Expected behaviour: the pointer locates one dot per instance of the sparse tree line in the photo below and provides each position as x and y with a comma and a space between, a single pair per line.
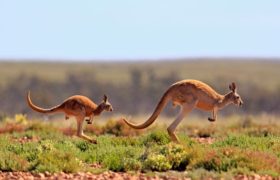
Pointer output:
139, 95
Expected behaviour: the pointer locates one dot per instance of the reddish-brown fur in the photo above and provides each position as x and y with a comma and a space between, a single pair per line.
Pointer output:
190, 94
81, 107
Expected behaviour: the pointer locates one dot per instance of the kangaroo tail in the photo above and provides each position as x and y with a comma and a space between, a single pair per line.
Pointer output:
162, 103
41, 110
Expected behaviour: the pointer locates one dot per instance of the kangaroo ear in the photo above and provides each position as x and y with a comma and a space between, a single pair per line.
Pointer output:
105, 98
232, 87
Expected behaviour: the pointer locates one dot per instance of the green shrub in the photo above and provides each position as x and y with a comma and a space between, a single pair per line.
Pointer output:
166, 157
55, 161
132, 164
21, 119
12, 162
119, 128
83, 145
228, 159
157, 162
46, 145
177, 156
156, 137
114, 162
261, 161
214, 160
117, 158
269, 143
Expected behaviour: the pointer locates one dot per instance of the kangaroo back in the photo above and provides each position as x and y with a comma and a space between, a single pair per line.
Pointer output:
42, 110
162, 103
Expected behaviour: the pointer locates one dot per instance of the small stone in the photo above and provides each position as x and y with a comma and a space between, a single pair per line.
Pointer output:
47, 174
41, 175
256, 176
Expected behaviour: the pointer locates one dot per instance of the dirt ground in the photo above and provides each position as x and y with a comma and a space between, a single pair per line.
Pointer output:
80, 176
105, 176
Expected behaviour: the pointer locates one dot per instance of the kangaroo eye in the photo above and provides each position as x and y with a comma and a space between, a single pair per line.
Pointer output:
237, 97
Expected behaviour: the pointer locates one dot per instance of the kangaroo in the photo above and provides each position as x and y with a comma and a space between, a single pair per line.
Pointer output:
81, 107
190, 94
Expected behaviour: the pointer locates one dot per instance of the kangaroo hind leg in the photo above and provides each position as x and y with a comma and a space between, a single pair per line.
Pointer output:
80, 132
185, 109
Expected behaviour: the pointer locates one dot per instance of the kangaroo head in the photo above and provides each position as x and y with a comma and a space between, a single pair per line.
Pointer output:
106, 105
233, 96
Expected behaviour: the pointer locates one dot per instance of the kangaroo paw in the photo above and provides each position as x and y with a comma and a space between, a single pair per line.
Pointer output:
88, 121
211, 119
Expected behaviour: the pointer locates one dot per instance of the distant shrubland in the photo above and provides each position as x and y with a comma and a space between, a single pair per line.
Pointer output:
135, 88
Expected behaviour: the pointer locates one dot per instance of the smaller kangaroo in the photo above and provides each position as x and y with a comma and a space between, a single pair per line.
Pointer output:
190, 94
81, 107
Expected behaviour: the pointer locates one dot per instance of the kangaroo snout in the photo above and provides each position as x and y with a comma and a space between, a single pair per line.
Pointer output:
241, 103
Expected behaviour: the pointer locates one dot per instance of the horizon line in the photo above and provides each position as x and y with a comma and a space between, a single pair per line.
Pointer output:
214, 58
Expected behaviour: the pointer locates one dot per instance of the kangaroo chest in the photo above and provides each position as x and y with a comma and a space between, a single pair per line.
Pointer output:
205, 106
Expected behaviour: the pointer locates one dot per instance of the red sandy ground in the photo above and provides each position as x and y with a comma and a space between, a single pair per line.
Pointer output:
78, 176
105, 175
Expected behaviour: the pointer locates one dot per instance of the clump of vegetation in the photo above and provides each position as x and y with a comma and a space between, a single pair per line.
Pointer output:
12, 162
21, 119
229, 159
16, 124
178, 156
170, 156
158, 137
119, 128
157, 162
56, 161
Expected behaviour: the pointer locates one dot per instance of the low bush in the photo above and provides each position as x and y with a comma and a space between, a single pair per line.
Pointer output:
12, 162
157, 137
119, 128
157, 162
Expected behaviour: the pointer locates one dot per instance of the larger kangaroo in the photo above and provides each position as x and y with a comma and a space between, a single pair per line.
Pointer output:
81, 107
190, 94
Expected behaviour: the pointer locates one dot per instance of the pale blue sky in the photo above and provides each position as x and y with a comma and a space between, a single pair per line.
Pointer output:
139, 29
